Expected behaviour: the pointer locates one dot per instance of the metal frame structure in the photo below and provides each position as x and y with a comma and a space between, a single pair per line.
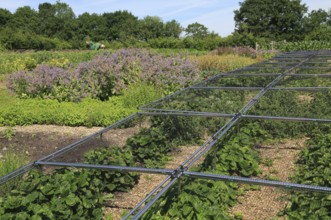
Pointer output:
288, 63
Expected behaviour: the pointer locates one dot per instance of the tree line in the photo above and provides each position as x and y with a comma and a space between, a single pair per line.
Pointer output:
55, 26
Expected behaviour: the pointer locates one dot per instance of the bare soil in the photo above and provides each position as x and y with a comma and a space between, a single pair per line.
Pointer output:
279, 162
37, 141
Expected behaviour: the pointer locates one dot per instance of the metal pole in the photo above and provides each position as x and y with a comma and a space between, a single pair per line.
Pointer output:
262, 182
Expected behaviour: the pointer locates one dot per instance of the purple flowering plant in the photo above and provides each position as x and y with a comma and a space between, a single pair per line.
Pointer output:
105, 76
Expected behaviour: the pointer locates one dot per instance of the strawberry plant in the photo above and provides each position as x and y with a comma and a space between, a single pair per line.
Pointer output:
113, 180
314, 168
64, 194
149, 147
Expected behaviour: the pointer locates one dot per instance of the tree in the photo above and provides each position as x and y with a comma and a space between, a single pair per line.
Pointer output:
47, 22
150, 27
320, 33
91, 25
56, 20
25, 19
275, 20
172, 29
5, 16
66, 24
315, 19
196, 30
121, 25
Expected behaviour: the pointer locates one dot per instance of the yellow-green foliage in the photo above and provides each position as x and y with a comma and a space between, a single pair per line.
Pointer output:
60, 62
10, 161
223, 63
11, 62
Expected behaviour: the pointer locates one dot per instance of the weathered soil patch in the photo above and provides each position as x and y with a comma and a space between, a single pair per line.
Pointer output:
37, 141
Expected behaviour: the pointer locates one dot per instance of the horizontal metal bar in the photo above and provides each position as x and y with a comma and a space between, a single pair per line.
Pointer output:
315, 67
268, 67
246, 74
280, 63
213, 114
225, 75
239, 179
310, 75
260, 88
191, 174
302, 88
107, 167
187, 113
280, 118
227, 88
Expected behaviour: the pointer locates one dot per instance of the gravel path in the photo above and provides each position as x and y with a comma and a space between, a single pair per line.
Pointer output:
279, 162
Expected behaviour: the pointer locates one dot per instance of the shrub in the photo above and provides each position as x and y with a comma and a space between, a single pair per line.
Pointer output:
105, 76
169, 42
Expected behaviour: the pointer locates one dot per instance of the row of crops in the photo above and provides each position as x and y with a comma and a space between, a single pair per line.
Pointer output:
77, 193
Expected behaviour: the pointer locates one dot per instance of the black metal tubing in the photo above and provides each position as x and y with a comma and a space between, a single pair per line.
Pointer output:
224, 75
259, 88
315, 67
160, 112
262, 182
279, 118
213, 114
107, 167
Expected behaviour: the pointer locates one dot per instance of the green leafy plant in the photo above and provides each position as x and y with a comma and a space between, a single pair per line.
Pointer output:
196, 199
149, 147
113, 180
64, 194
314, 168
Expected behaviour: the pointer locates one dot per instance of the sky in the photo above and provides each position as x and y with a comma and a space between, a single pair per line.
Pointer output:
216, 15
